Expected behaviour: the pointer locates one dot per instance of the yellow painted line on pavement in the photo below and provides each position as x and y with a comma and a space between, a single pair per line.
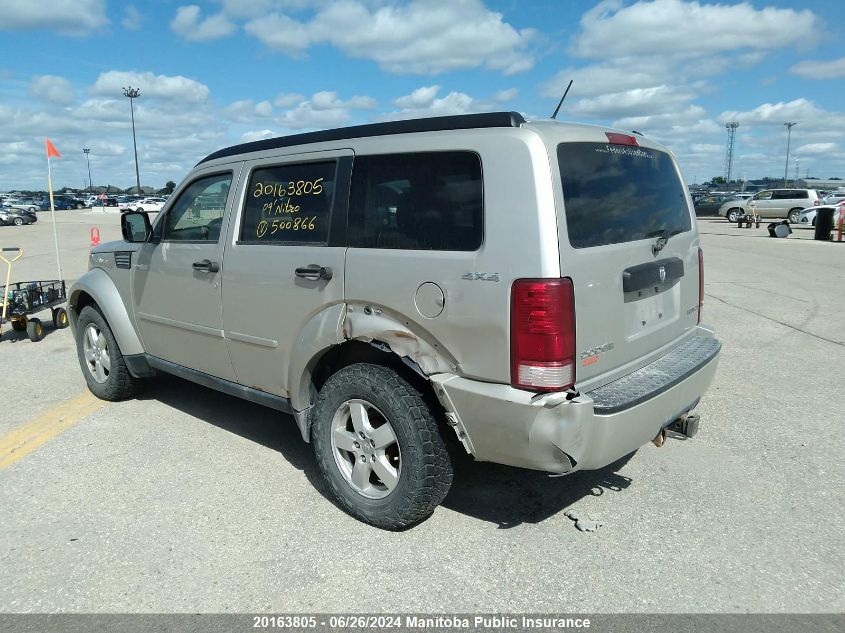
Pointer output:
20, 442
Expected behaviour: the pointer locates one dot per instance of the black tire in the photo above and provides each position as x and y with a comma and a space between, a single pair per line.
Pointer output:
140, 209
118, 383
424, 468
793, 216
34, 330
18, 221
19, 324
60, 320
733, 216
80, 205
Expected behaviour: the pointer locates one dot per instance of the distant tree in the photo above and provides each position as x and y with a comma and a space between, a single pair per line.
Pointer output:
718, 180
169, 186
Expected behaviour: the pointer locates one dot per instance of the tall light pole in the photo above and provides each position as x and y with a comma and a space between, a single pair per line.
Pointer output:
729, 156
132, 94
788, 125
87, 151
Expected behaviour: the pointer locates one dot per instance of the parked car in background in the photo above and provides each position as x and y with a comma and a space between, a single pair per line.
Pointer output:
151, 205
834, 198
807, 217
60, 204
709, 204
772, 203
16, 216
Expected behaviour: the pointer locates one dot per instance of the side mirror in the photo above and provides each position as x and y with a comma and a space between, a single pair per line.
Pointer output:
135, 226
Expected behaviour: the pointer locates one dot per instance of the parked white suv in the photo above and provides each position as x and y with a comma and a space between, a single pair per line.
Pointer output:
402, 286
772, 203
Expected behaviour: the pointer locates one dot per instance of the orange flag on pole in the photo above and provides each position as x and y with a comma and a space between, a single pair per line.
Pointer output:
51, 150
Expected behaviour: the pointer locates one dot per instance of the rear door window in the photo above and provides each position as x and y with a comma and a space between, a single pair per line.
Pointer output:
417, 201
620, 193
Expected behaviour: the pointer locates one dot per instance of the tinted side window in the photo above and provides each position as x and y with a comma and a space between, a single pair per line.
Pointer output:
197, 215
289, 203
763, 195
417, 201
616, 193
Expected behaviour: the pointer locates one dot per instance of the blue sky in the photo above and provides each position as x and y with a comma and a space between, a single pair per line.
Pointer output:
220, 72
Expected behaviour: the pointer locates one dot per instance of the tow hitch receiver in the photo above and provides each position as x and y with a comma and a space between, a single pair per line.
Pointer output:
686, 425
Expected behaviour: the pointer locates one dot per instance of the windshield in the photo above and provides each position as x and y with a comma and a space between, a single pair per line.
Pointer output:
620, 193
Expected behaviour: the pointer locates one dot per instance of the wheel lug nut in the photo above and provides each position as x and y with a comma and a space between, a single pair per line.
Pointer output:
363, 458
373, 443
356, 444
361, 434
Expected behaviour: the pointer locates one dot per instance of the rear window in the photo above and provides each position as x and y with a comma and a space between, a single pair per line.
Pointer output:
620, 193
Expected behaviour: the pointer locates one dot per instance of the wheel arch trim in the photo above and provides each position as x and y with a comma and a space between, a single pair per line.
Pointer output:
101, 289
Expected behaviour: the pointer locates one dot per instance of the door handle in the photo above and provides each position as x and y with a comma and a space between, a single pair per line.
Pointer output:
314, 273
206, 266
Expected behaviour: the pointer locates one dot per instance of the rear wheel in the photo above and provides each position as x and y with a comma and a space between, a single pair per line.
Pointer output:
60, 320
793, 216
733, 216
34, 330
379, 448
102, 363
18, 221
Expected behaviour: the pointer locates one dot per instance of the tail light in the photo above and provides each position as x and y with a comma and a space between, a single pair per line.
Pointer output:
700, 283
543, 334
816, 202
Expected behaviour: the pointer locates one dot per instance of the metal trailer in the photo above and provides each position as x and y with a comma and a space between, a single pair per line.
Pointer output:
25, 298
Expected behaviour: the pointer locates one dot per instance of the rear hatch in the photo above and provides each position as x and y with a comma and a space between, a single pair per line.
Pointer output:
629, 243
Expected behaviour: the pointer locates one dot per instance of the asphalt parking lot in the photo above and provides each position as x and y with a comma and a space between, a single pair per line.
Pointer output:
187, 500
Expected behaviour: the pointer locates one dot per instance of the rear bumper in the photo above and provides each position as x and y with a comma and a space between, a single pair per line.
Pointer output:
547, 432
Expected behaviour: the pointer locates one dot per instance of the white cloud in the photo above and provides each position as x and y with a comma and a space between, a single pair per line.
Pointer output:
423, 102
639, 101
69, 17
420, 37
678, 27
247, 111
256, 135
284, 100
176, 87
280, 33
817, 148
419, 98
505, 95
324, 109
189, 24
132, 18
52, 88
820, 70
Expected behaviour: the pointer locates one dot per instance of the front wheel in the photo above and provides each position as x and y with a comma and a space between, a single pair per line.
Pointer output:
102, 363
34, 330
733, 216
379, 448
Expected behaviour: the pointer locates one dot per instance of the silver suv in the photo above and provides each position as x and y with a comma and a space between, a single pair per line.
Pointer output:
772, 203
411, 291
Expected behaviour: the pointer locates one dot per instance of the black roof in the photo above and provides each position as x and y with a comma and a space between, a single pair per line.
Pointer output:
431, 124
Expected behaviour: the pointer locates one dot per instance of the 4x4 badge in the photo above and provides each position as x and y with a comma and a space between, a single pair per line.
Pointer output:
481, 276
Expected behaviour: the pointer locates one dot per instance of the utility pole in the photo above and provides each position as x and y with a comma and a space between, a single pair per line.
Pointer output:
729, 157
132, 94
788, 125
87, 151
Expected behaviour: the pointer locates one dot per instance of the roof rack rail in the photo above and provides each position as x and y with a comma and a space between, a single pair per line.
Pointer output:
431, 124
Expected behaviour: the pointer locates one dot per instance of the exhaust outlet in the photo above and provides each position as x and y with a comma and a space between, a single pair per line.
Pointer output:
659, 439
